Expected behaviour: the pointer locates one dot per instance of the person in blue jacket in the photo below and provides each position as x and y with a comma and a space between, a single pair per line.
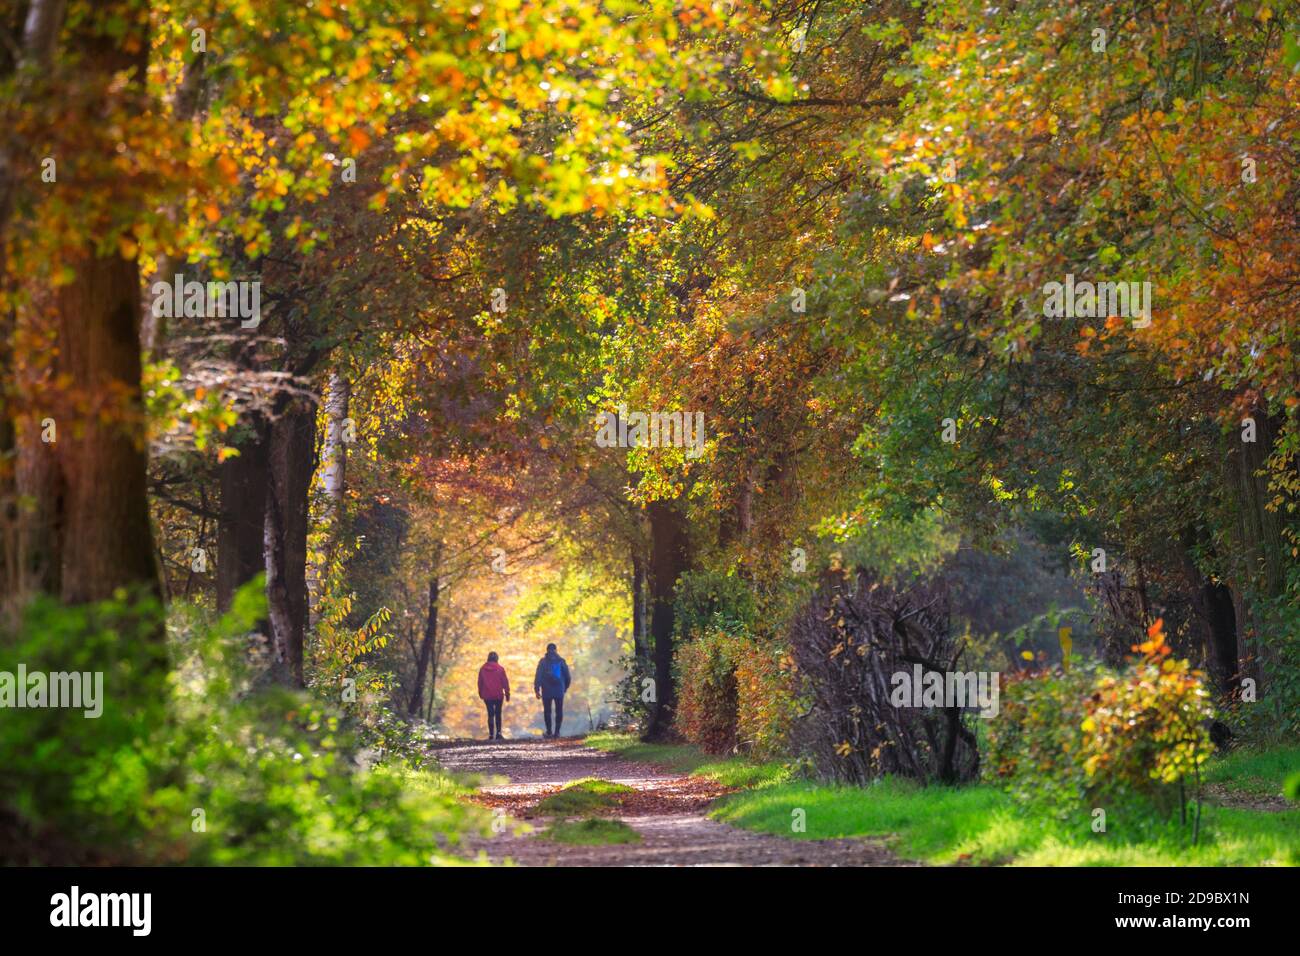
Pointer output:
549, 683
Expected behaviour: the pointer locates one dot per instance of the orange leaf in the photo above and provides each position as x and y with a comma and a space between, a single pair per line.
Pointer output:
358, 138
229, 169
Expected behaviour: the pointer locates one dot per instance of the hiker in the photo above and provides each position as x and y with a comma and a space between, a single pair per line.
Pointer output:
493, 685
549, 683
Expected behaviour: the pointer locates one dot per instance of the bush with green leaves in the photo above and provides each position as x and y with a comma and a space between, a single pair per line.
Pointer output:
197, 758
1034, 741
1094, 737
90, 789
712, 600
633, 703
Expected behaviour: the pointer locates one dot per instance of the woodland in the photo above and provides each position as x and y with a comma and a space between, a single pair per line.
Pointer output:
334, 333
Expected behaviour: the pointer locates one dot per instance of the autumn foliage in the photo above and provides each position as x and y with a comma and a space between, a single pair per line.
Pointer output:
1091, 737
737, 694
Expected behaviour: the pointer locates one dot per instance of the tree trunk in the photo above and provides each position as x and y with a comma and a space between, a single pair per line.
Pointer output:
1214, 616
441, 644
34, 484
108, 537
1222, 651
333, 468
243, 479
433, 672
430, 640
38, 542
639, 650
334, 452
292, 463
11, 557
433, 680
1258, 532
40, 36
668, 560
1257, 535
41, 30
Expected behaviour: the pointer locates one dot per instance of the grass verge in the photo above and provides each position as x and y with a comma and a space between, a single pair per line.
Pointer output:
584, 796
981, 824
1255, 773
594, 832
683, 758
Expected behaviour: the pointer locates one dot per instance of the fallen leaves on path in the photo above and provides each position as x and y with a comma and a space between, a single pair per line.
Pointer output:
666, 809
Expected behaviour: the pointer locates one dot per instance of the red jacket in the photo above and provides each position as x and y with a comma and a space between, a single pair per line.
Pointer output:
492, 682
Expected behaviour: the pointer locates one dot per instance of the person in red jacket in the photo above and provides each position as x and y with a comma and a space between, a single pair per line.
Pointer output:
493, 686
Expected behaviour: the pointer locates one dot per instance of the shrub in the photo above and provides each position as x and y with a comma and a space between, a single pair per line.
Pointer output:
104, 779
632, 704
1092, 736
735, 694
735, 691
196, 759
707, 605
1146, 727
1034, 742
713, 601
847, 646
766, 704
707, 698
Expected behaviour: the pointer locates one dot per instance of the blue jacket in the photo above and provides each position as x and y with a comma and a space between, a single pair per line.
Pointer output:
552, 677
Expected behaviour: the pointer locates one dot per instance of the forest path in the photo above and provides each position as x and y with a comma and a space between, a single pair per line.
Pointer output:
666, 809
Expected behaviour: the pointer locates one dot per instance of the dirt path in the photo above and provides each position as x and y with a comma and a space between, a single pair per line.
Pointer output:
667, 810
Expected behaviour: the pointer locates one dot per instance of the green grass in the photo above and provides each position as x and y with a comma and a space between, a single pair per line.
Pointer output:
591, 832
983, 825
583, 796
1257, 773
682, 758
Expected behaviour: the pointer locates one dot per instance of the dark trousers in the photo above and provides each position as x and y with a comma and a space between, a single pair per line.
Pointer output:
494, 717
558, 703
